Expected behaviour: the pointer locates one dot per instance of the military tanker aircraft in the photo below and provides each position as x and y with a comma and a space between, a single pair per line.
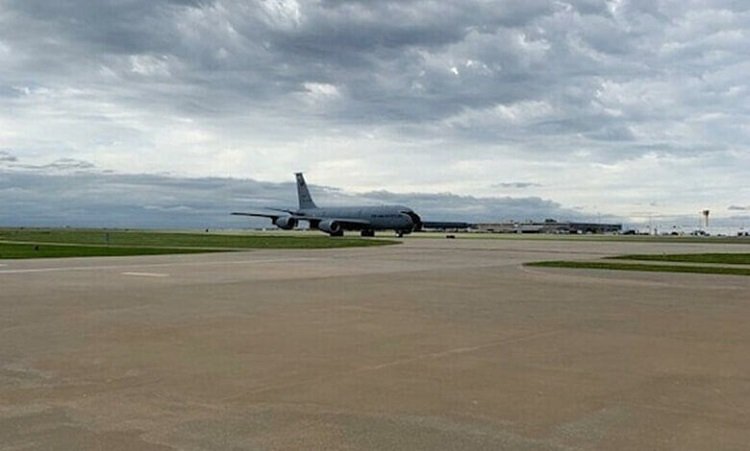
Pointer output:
335, 220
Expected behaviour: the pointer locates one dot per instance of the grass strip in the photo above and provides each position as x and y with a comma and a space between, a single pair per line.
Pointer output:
178, 239
25, 251
594, 238
643, 267
729, 259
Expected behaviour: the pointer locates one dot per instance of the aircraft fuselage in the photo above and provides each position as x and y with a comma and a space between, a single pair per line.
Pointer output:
384, 217
335, 220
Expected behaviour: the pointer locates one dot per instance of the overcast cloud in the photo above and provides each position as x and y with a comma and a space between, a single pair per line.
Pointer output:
510, 108
72, 193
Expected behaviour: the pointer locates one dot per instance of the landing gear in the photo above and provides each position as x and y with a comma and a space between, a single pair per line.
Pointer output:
367, 233
339, 233
400, 233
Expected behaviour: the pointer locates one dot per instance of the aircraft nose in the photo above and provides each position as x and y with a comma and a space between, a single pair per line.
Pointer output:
414, 218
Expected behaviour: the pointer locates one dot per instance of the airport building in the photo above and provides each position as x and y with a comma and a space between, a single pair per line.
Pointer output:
548, 226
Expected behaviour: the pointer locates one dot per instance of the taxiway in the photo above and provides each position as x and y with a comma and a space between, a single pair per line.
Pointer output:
433, 344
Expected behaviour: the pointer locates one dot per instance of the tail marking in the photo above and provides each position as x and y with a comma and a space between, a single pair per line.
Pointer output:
303, 194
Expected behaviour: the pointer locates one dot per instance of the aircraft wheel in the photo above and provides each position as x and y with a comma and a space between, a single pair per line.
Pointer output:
367, 233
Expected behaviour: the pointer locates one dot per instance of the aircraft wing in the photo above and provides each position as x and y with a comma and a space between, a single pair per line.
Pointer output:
258, 215
346, 222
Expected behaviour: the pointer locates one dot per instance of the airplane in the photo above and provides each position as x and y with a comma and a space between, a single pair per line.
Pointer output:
335, 220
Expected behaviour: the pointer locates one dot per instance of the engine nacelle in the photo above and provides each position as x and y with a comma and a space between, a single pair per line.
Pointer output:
285, 222
331, 227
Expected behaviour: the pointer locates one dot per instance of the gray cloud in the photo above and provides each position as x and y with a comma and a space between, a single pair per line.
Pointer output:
7, 157
594, 98
519, 185
64, 164
392, 60
739, 208
37, 197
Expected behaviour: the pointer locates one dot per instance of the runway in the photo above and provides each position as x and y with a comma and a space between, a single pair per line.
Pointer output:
432, 344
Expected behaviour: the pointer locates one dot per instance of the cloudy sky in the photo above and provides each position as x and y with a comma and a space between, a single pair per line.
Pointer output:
153, 112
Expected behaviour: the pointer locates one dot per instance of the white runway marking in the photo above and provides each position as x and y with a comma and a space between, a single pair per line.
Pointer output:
145, 274
152, 265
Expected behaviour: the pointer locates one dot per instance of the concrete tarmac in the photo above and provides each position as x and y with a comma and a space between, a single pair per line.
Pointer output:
433, 344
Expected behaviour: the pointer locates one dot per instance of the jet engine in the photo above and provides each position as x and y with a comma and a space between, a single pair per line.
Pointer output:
285, 222
331, 227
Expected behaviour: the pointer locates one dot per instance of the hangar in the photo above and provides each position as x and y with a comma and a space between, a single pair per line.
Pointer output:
548, 226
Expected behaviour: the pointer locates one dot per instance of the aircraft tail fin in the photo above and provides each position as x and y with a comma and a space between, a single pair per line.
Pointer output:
305, 200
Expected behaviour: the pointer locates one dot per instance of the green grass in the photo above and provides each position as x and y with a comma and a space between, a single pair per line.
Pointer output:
617, 238
23, 251
644, 267
178, 239
94, 242
729, 259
